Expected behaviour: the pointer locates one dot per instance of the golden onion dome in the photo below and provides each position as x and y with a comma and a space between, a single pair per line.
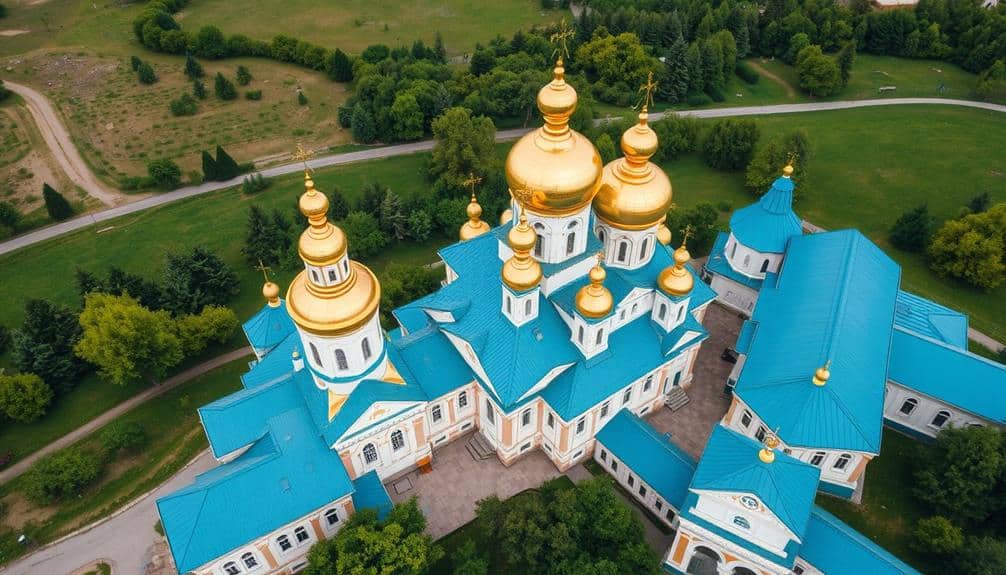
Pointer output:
594, 300
634, 194
322, 243
559, 166
521, 272
767, 453
474, 227
333, 309
822, 374
676, 280
664, 235
506, 217
271, 293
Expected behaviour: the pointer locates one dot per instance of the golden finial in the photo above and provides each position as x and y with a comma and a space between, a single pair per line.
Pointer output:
269, 289
594, 300
647, 89
822, 374
474, 227
471, 182
523, 196
521, 272
767, 453
685, 234
302, 155
676, 280
788, 170
559, 40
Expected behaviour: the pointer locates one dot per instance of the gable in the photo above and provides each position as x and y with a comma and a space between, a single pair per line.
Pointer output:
377, 413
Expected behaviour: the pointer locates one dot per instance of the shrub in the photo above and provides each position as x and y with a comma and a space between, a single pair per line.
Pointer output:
677, 135
64, 473
345, 115
121, 435
5, 339
716, 94
340, 68
698, 100
134, 63
192, 67
243, 76
186, 105
253, 95
302, 100
9, 216
146, 74
164, 174
199, 89
227, 168
913, 230
224, 88
214, 324
746, 73
938, 536
254, 183
364, 233
24, 397
729, 144
55, 204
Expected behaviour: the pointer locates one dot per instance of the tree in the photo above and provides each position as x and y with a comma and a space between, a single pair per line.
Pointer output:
393, 222
9, 216
467, 560
301, 98
401, 284
122, 435
24, 397
371, 198
913, 230
214, 324
55, 204
127, 341
972, 248
209, 168
196, 279
674, 86
605, 147
193, 69
44, 344
991, 83
266, 238
702, 218
184, 105
364, 235
338, 207
465, 144
223, 88
982, 556
227, 168
121, 282
729, 144
164, 174
819, 75
407, 117
980, 203
339, 67
769, 159
4, 92
367, 545
960, 476
796, 44
145, 73
210, 43
937, 536
199, 89
420, 225
243, 76
62, 474
845, 59
613, 59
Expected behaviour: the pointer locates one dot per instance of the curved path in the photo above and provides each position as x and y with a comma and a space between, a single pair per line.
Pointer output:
61, 145
85, 220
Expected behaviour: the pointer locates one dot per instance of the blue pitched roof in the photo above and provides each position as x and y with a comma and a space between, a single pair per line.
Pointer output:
768, 224
267, 328
240, 418
369, 493
433, 362
950, 374
787, 486
831, 546
746, 336
834, 300
928, 318
285, 475
658, 462
717, 263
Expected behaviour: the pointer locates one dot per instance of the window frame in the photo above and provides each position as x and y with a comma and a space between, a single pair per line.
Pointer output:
231, 568
842, 462
400, 437
366, 458
462, 399
436, 413
297, 531
746, 414
284, 543
525, 417
329, 513
249, 555
946, 415
912, 403
341, 362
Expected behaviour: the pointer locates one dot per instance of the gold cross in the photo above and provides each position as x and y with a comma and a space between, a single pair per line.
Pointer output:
559, 39
793, 156
600, 257
646, 100
264, 269
523, 196
686, 233
302, 155
471, 182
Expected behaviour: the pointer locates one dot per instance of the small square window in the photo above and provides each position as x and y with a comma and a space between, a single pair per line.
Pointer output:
632, 481
604, 455
436, 412
642, 491
581, 425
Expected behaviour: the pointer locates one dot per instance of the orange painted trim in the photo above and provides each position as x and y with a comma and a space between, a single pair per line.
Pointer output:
858, 471
507, 432
263, 548
679, 552
316, 524
417, 425
564, 438
730, 411
347, 462
347, 506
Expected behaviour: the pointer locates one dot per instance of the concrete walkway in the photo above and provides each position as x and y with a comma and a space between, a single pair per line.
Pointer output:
84, 430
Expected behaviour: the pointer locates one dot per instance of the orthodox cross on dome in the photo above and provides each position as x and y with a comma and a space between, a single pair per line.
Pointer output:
471, 182
600, 257
302, 155
685, 234
523, 196
558, 39
264, 269
647, 89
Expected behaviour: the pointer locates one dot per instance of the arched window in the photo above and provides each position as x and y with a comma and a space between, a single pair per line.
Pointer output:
315, 354
527, 307
704, 560
284, 543
623, 250
369, 454
539, 245
642, 249
600, 234
941, 419
463, 400
366, 348
681, 311
635, 306
570, 242
742, 522
747, 260
340, 359
301, 534
331, 275
600, 336
579, 334
742, 571
332, 517
764, 266
733, 250
842, 462
249, 560
397, 440
314, 276
908, 406
345, 267
509, 307
662, 312
231, 568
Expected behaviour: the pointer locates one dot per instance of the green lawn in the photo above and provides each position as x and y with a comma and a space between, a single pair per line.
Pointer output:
889, 511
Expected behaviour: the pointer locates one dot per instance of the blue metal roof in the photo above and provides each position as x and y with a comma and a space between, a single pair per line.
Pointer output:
831, 546
285, 475
786, 486
928, 318
950, 374
717, 263
768, 224
267, 328
658, 462
240, 418
434, 363
369, 493
746, 336
834, 300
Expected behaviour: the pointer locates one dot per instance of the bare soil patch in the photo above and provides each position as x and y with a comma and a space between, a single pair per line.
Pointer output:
14, 32
25, 162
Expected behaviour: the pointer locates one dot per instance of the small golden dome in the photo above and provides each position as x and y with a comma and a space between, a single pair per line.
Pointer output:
664, 235
506, 217
767, 453
788, 170
822, 374
474, 227
634, 194
676, 280
322, 243
271, 293
521, 272
559, 166
594, 300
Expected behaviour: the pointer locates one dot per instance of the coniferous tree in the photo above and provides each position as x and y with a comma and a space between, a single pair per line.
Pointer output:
199, 89
195, 280
55, 204
44, 344
338, 207
227, 168
120, 282
210, 172
674, 87
340, 68
439, 49
845, 58
87, 282
193, 69
224, 88
145, 73
266, 240
364, 130
243, 76
913, 230
393, 220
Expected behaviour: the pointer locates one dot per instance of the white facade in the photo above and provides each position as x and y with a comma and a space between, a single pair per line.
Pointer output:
520, 307
749, 263
640, 490
626, 249
559, 237
923, 414
344, 357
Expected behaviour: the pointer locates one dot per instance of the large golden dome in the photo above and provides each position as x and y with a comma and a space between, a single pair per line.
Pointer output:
559, 166
329, 310
634, 194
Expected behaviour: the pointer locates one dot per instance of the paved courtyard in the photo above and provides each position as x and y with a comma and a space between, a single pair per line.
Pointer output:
448, 494
691, 425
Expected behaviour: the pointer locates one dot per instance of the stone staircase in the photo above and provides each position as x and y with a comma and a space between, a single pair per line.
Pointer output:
676, 399
479, 447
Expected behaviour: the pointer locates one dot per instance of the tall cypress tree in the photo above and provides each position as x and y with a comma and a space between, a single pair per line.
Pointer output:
340, 68
210, 171
675, 85
55, 204
192, 67
227, 168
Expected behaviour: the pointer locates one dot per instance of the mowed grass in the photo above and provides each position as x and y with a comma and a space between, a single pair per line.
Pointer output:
352, 25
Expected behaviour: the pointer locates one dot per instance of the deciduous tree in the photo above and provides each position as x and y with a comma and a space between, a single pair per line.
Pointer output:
164, 174
64, 473
465, 144
960, 477
769, 159
364, 235
729, 144
24, 397
972, 248
819, 75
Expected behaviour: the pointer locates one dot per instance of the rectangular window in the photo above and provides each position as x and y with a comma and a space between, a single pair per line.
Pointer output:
626, 396
746, 419
301, 534
642, 491
604, 410
577, 454
670, 514
550, 420
284, 543
659, 505
525, 447
466, 426
842, 462
437, 414
525, 418
632, 481
644, 410
604, 455
581, 425
462, 400
817, 458
798, 570
761, 433
489, 412
648, 383
614, 465
331, 275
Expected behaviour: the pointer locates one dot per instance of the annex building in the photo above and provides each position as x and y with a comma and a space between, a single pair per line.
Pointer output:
554, 332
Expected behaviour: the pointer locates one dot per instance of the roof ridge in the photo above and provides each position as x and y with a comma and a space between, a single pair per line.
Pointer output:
958, 350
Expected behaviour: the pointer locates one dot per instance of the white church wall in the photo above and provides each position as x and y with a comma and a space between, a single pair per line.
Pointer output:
345, 356
690, 539
749, 262
923, 414
734, 295
631, 482
554, 233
